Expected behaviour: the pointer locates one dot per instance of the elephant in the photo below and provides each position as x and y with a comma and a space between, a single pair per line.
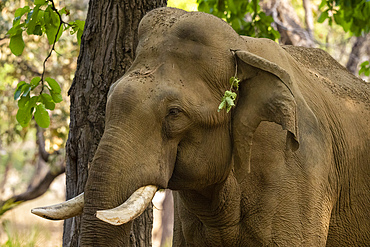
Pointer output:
289, 165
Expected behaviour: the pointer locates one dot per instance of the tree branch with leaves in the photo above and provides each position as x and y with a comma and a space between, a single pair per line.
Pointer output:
43, 18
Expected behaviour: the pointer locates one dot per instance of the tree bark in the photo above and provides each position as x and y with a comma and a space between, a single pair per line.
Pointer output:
288, 23
107, 50
308, 17
354, 56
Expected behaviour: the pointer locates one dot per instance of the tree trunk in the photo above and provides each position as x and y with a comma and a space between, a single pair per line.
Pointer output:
107, 50
354, 57
288, 23
167, 218
308, 17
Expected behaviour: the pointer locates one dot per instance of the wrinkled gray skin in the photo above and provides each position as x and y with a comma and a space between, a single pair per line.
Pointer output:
301, 124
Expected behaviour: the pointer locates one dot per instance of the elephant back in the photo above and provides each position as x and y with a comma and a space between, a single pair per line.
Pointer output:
331, 74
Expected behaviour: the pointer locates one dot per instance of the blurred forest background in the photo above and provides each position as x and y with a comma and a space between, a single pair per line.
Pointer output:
32, 158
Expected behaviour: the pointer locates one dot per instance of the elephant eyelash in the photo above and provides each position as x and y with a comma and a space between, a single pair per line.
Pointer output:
173, 112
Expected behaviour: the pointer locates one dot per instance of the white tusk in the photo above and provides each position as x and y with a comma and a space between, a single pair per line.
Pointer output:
131, 208
62, 211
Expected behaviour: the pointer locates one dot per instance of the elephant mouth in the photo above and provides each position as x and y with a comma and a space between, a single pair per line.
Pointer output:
133, 207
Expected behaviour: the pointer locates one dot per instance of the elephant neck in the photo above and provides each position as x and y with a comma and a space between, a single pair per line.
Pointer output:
215, 211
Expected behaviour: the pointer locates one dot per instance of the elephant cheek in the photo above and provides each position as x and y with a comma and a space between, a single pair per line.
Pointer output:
201, 166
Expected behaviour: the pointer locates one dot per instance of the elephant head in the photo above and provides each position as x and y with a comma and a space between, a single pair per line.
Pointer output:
163, 129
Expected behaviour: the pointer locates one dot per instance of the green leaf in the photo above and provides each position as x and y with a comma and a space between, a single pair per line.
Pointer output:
15, 30
46, 97
57, 97
34, 18
23, 101
37, 30
324, 15
41, 21
234, 83
48, 101
228, 101
322, 4
42, 116
80, 24
365, 68
230, 94
21, 11
29, 15
53, 85
52, 24
33, 101
16, 44
18, 91
79, 35
24, 116
222, 105
35, 81
64, 11
26, 89
20, 84
40, 2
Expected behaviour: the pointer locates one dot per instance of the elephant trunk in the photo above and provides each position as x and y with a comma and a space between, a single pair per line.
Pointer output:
113, 177
123, 179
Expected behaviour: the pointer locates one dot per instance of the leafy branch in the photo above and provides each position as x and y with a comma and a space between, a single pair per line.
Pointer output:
352, 16
365, 68
44, 18
228, 100
245, 17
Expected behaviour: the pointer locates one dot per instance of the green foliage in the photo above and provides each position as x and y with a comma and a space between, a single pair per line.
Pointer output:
38, 104
235, 12
228, 100
43, 18
352, 15
365, 68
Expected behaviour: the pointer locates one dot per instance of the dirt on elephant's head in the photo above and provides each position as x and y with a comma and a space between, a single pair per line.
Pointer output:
329, 72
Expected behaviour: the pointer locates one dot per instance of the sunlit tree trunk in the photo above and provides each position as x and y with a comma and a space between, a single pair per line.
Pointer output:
167, 218
308, 17
107, 51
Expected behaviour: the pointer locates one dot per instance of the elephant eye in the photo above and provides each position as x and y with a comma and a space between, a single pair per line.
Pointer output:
174, 111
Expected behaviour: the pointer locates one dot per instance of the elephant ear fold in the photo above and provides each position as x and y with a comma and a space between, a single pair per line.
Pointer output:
265, 95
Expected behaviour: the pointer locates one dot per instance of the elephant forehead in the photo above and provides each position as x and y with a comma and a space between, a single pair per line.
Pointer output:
196, 26
185, 32
155, 95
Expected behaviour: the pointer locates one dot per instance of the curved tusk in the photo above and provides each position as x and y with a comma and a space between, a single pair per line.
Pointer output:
62, 211
131, 208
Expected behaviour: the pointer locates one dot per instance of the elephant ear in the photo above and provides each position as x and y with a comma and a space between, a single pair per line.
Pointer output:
266, 94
